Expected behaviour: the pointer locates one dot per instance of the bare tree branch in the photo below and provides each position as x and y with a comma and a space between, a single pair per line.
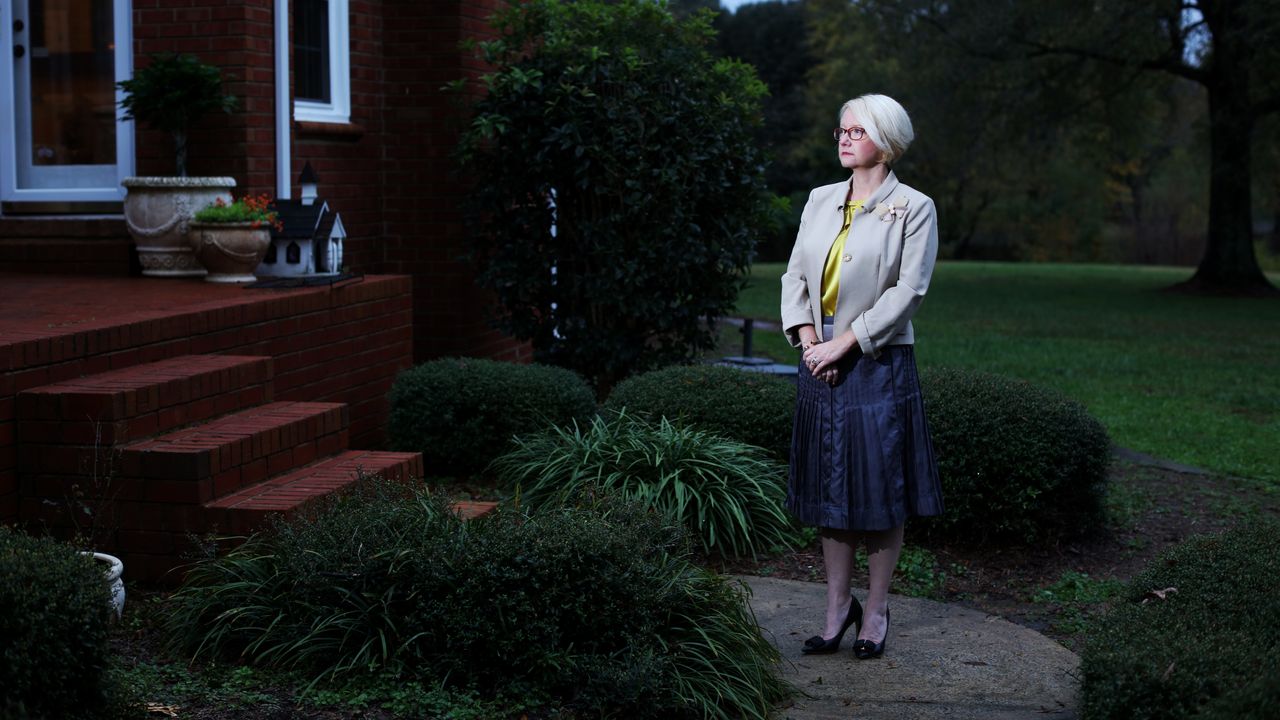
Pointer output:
969, 49
1166, 63
1171, 62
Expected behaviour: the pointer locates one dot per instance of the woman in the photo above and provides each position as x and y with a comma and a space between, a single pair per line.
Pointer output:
861, 459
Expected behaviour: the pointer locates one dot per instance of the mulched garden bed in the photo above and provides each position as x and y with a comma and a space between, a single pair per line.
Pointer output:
1153, 508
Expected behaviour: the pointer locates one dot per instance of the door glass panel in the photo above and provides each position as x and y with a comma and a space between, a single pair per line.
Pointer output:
72, 120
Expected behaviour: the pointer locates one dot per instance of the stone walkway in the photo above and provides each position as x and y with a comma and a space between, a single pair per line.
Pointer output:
942, 661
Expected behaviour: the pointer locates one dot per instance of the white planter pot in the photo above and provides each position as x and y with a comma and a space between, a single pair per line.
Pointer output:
230, 251
112, 570
158, 211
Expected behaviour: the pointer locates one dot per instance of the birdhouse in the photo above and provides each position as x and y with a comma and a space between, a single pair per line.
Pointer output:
309, 240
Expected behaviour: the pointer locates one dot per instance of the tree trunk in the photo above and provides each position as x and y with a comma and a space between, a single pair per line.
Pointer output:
1229, 265
1274, 240
180, 152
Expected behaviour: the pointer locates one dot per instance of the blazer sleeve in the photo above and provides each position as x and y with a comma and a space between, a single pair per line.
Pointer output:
899, 302
796, 310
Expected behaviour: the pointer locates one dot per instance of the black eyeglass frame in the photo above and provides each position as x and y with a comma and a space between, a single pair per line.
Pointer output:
855, 133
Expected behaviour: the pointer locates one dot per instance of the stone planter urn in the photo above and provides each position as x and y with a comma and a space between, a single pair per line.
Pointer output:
230, 251
112, 569
158, 210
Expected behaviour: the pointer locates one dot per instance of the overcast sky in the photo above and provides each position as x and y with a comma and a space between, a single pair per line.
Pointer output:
734, 4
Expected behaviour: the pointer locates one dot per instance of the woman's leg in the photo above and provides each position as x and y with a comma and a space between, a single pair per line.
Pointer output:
882, 557
837, 556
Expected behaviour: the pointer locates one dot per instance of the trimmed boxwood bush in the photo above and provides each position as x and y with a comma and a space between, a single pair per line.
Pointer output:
567, 609
753, 408
53, 629
460, 412
728, 494
1016, 460
1209, 650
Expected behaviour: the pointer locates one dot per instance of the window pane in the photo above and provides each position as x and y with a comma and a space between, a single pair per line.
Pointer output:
73, 97
311, 50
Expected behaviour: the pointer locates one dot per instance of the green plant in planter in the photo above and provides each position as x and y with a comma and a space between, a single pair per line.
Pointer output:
254, 209
171, 93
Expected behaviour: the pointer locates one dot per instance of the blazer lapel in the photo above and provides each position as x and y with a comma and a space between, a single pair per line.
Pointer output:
829, 219
862, 275
882, 193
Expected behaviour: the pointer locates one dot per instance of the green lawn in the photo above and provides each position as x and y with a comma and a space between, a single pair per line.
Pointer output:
1194, 380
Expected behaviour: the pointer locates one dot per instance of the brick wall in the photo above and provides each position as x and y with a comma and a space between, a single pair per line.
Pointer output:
390, 171
79, 246
349, 158
237, 36
344, 344
424, 234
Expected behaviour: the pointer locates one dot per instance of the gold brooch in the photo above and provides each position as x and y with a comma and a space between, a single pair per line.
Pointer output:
889, 211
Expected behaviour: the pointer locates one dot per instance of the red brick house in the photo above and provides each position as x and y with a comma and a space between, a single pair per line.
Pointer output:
351, 86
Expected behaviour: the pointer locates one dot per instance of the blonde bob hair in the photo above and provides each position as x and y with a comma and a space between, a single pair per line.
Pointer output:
885, 121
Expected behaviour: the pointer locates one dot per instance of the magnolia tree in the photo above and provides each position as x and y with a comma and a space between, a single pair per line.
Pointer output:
617, 193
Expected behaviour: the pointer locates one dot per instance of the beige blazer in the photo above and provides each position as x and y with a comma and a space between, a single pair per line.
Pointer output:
888, 259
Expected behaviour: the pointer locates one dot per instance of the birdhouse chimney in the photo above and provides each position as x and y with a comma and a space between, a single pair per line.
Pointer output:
308, 180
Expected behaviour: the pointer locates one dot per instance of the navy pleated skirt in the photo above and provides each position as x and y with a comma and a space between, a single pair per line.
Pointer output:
861, 458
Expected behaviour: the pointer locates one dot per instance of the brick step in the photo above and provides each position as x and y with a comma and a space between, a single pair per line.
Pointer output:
131, 403
468, 509
219, 457
246, 509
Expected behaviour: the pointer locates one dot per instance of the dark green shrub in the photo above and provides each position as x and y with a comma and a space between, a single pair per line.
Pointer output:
753, 408
1209, 649
1016, 460
637, 181
1255, 701
596, 610
728, 494
460, 413
53, 629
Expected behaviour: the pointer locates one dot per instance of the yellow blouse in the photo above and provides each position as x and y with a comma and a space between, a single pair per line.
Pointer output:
831, 271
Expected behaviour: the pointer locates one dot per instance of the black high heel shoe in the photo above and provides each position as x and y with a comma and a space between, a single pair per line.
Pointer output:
865, 649
817, 646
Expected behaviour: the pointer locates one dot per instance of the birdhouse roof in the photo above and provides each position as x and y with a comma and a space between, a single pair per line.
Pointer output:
303, 222
325, 228
308, 176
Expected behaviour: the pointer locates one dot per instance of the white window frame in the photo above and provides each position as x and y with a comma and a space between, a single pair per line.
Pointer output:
122, 17
338, 110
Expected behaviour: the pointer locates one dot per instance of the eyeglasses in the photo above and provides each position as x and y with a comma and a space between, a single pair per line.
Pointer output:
854, 133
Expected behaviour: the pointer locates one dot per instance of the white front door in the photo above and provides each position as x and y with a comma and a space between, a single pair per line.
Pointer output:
61, 136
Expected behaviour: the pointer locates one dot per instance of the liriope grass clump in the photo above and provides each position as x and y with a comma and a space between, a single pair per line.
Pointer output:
593, 608
727, 493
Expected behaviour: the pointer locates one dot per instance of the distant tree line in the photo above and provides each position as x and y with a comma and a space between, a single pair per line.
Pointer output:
1143, 131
